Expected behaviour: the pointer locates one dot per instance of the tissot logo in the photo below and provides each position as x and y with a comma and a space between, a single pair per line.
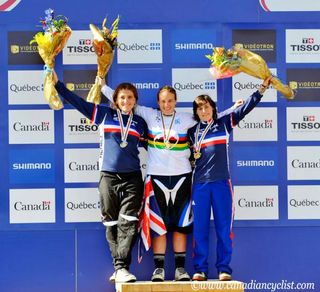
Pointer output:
260, 125
32, 206
303, 202
303, 124
303, 163
256, 202
81, 165
302, 46
31, 126
140, 46
82, 205
83, 126
192, 82
79, 49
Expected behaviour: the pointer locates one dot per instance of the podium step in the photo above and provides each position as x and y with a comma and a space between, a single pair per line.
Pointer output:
170, 286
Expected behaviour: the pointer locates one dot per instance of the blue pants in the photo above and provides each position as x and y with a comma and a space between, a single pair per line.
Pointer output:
218, 196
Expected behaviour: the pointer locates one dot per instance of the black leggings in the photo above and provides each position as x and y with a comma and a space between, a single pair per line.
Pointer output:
121, 198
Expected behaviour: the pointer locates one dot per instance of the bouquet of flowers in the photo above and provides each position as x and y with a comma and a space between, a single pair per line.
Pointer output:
226, 63
104, 42
50, 42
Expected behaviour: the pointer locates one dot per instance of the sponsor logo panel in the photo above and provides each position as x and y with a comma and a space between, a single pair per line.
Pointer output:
243, 85
255, 163
191, 82
79, 49
139, 46
26, 87
261, 42
256, 202
306, 82
304, 202
81, 165
303, 162
20, 52
31, 126
32, 206
261, 124
78, 129
303, 124
32, 166
82, 205
191, 45
303, 45
147, 82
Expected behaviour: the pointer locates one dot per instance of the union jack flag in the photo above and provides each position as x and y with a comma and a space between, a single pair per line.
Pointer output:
150, 221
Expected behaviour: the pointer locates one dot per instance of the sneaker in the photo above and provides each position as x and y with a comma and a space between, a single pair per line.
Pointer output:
181, 275
199, 276
223, 276
124, 276
158, 275
112, 278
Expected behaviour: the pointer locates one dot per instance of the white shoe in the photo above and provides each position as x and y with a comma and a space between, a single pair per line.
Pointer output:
124, 276
112, 278
181, 275
158, 275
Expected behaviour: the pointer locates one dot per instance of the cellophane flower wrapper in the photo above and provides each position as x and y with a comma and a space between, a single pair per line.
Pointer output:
50, 44
228, 63
104, 42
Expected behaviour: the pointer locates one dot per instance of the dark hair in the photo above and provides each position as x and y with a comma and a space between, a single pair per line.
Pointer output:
200, 101
168, 88
124, 86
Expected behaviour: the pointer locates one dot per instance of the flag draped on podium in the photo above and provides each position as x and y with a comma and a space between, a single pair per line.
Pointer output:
150, 221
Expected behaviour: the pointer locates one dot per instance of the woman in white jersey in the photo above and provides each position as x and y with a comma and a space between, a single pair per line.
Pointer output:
170, 171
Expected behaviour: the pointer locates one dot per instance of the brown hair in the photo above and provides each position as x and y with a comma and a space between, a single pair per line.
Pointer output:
200, 101
124, 86
168, 88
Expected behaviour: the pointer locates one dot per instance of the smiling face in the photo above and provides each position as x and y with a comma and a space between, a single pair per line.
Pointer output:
167, 102
125, 100
205, 112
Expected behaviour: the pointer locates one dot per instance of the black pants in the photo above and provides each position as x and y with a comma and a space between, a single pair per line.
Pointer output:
121, 198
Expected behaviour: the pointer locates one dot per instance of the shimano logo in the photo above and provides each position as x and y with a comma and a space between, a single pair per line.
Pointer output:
193, 46
42, 127
43, 206
255, 163
147, 85
27, 166
244, 203
266, 124
297, 163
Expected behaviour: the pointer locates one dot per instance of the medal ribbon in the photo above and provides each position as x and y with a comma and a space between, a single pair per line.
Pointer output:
198, 142
167, 137
124, 130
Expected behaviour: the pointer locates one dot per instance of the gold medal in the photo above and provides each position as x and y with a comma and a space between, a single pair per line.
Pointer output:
166, 134
196, 155
167, 145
